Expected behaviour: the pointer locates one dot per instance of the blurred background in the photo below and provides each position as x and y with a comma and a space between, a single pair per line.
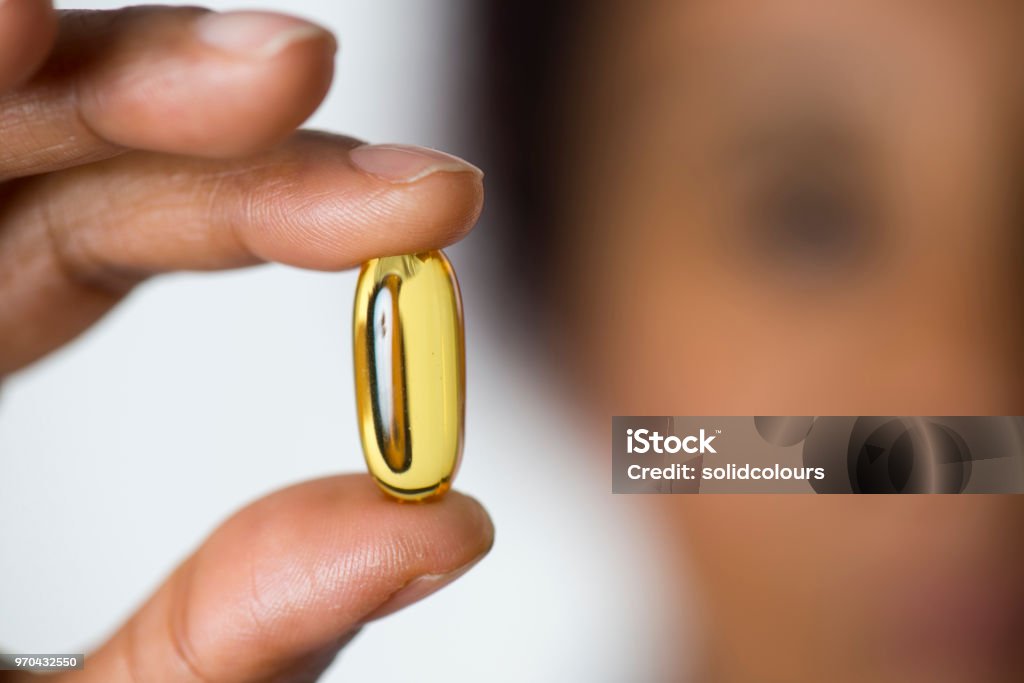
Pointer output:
728, 207
119, 453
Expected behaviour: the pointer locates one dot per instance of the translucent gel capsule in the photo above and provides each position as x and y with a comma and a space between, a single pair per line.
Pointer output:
410, 372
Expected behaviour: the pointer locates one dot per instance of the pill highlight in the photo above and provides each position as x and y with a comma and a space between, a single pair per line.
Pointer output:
410, 370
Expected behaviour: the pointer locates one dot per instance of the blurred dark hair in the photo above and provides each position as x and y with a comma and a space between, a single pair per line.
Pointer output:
526, 49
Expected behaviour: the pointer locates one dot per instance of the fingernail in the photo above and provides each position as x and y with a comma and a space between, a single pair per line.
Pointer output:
417, 589
254, 34
406, 163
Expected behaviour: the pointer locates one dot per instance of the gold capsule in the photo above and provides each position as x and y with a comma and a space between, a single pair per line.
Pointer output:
410, 370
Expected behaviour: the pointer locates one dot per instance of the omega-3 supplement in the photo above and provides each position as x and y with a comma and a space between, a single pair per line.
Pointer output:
410, 370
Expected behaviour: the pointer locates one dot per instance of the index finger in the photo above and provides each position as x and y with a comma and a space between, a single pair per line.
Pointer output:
73, 243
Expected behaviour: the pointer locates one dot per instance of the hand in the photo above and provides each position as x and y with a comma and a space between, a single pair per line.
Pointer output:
147, 140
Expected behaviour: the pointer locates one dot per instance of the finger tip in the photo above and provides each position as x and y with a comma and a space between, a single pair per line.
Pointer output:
456, 524
434, 212
467, 205
453, 527
28, 29
356, 215
440, 535
287, 60
478, 526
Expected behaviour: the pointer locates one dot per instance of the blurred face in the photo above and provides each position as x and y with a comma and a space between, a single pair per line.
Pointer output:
804, 207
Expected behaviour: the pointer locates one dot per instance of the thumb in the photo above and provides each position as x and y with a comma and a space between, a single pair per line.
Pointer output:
277, 590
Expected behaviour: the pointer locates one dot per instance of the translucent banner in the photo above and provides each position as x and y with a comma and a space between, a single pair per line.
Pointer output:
674, 454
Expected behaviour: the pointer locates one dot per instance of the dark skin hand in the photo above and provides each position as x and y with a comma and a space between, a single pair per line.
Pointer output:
149, 140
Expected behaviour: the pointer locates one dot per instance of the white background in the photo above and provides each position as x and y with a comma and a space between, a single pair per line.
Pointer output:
121, 452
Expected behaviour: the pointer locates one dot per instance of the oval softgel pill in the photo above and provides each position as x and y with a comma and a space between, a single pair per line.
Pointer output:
410, 369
